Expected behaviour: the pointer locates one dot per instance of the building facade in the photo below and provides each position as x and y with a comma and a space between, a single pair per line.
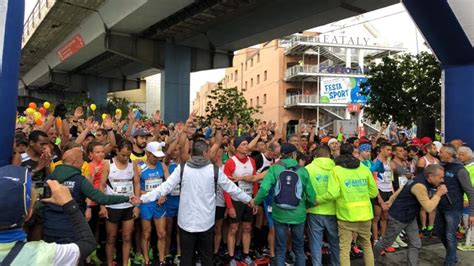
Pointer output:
307, 76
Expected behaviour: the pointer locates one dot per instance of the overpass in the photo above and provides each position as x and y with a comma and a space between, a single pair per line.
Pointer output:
73, 47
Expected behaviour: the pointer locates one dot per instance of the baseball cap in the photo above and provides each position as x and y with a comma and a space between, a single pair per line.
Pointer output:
15, 197
156, 148
438, 145
140, 132
332, 141
287, 148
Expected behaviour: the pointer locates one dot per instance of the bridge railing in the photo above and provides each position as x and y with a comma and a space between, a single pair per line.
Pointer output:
38, 13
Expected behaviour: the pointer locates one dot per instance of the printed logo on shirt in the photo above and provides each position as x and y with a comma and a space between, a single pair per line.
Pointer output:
322, 178
355, 183
449, 174
69, 184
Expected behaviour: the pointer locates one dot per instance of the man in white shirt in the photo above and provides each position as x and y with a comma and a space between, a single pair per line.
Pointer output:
197, 204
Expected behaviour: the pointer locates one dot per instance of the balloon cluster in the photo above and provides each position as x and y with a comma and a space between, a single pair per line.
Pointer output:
36, 113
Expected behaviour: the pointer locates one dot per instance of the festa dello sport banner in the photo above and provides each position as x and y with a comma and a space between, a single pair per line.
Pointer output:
11, 30
342, 90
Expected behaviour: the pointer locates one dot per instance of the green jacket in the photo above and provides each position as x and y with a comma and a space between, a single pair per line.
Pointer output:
64, 172
319, 171
352, 187
470, 169
285, 216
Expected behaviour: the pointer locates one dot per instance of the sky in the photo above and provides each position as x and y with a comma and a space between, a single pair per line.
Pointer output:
392, 23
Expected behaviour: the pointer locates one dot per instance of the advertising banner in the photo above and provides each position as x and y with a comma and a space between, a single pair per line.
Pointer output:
342, 90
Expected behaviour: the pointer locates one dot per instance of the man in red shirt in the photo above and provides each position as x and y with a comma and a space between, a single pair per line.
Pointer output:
238, 168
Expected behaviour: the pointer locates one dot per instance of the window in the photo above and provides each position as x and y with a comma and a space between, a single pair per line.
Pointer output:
246, 85
265, 75
251, 82
258, 57
258, 101
236, 75
258, 79
231, 76
265, 99
245, 65
251, 102
251, 62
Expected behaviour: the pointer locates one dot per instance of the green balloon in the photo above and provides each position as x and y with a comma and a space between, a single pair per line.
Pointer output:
324, 99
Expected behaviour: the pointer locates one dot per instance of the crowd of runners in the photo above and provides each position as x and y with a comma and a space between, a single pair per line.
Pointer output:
231, 194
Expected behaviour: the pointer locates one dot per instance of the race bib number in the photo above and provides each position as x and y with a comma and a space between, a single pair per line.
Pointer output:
152, 183
402, 180
246, 187
123, 187
176, 191
387, 176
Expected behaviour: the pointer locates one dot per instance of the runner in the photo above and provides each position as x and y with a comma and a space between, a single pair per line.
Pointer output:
151, 176
238, 167
383, 175
120, 178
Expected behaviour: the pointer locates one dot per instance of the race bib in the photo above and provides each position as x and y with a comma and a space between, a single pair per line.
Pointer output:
176, 191
387, 176
123, 187
246, 187
152, 183
402, 180
269, 208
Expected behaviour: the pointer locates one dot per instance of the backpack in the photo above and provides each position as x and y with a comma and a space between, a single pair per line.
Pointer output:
216, 175
288, 188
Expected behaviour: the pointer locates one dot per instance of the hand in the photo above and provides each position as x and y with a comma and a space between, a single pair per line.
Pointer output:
78, 112
131, 115
251, 203
157, 115
136, 213
60, 194
89, 123
134, 200
231, 212
236, 178
103, 213
118, 116
161, 201
108, 122
254, 210
386, 205
88, 214
441, 190
44, 161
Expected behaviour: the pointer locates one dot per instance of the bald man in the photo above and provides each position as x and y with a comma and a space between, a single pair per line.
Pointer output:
457, 143
57, 227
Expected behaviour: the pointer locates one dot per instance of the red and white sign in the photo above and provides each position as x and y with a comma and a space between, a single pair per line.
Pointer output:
353, 108
71, 47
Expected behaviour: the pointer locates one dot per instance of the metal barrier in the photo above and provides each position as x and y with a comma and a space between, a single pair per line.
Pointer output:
297, 99
38, 13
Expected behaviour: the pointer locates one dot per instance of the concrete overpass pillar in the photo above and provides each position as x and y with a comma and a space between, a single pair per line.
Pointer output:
175, 84
11, 29
98, 88
440, 25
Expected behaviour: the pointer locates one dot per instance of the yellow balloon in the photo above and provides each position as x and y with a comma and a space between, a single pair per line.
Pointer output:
104, 116
118, 110
30, 111
37, 115
46, 105
18, 121
93, 107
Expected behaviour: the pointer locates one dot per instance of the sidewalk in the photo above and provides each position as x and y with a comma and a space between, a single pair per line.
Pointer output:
432, 253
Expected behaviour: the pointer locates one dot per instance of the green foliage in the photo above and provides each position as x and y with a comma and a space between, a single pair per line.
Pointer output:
403, 89
229, 103
109, 108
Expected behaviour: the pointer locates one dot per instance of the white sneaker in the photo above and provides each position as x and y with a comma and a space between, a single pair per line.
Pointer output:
395, 245
400, 242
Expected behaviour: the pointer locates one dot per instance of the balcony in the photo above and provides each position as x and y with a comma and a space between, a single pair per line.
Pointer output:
311, 72
308, 101
39, 12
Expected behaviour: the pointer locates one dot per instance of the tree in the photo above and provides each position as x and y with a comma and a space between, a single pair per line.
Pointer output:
229, 103
405, 89
109, 108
